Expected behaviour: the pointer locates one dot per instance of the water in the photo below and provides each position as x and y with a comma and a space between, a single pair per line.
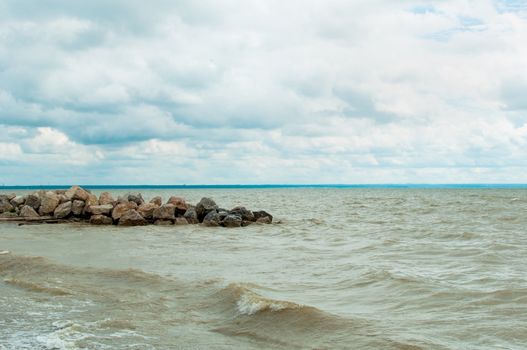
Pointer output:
350, 268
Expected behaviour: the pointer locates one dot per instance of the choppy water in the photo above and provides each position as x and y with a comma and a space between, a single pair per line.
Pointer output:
345, 269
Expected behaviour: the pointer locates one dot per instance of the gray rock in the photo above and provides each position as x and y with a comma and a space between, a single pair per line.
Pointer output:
100, 220
105, 209
5, 206
245, 214
165, 212
192, 216
77, 207
8, 214
132, 218
33, 201
246, 223
18, 201
205, 206
262, 214
48, 203
157, 200
212, 219
137, 198
232, 220
63, 210
28, 212
264, 220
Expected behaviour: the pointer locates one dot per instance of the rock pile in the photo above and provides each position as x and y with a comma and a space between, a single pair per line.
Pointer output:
78, 204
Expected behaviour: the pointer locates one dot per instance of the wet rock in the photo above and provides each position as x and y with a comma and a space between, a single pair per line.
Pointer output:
76, 192
106, 198
63, 210
232, 220
263, 214
163, 222
246, 223
77, 207
18, 201
192, 216
100, 220
212, 219
48, 203
132, 218
165, 212
137, 198
205, 206
33, 200
244, 213
105, 209
180, 221
5, 206
157, 200
264, 220
122, 208
28, 212
179, 203
147, 210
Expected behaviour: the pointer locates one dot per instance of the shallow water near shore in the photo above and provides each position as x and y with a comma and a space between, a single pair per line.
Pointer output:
341, 269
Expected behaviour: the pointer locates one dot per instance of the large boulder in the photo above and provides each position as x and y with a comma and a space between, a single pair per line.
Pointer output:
33, 200
132, 218
122, 208
105, 209
205, 206
48, 203
179, 203
165, 212
232, 220
181, 221
63, 210
76, 192
147, 210
262, 214
244, 213
5, 206
106, 198
137, 198
28, 212
157, 200
192, 216
212, 219
100, 220
18, 201
77, 207
62, 198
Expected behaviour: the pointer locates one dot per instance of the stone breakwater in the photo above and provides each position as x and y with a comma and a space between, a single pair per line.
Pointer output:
80, 205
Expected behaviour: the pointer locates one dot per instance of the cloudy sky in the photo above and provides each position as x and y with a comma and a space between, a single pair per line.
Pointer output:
275, 91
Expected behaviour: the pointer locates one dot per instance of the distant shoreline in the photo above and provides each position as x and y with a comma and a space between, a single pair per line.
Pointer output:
276, 186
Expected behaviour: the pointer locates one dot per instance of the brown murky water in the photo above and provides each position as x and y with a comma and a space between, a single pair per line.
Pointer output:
345, 269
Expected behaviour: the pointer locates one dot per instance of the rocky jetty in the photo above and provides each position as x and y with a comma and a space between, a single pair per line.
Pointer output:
80, 205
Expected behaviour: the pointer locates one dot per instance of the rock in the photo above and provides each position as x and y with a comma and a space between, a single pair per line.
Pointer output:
77, 207
212, 219
33, 201
100, 220
157, 200
192, 216
62, 198
262, 214
100, 209
122, 208
232, 220
205, 206
132, 218
165, 212
180, 221
5, 206
28, 212
179, 203
147, 210
137, 198
17, 201
76, 192
8, 214
48, 203
223, 213
63, 210
92, 200
106, 198
59, 192
163, 222
244, 213
10, 196
246, 223
264, 220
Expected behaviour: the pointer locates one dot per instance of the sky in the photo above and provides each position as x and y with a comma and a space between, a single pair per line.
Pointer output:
263, 92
